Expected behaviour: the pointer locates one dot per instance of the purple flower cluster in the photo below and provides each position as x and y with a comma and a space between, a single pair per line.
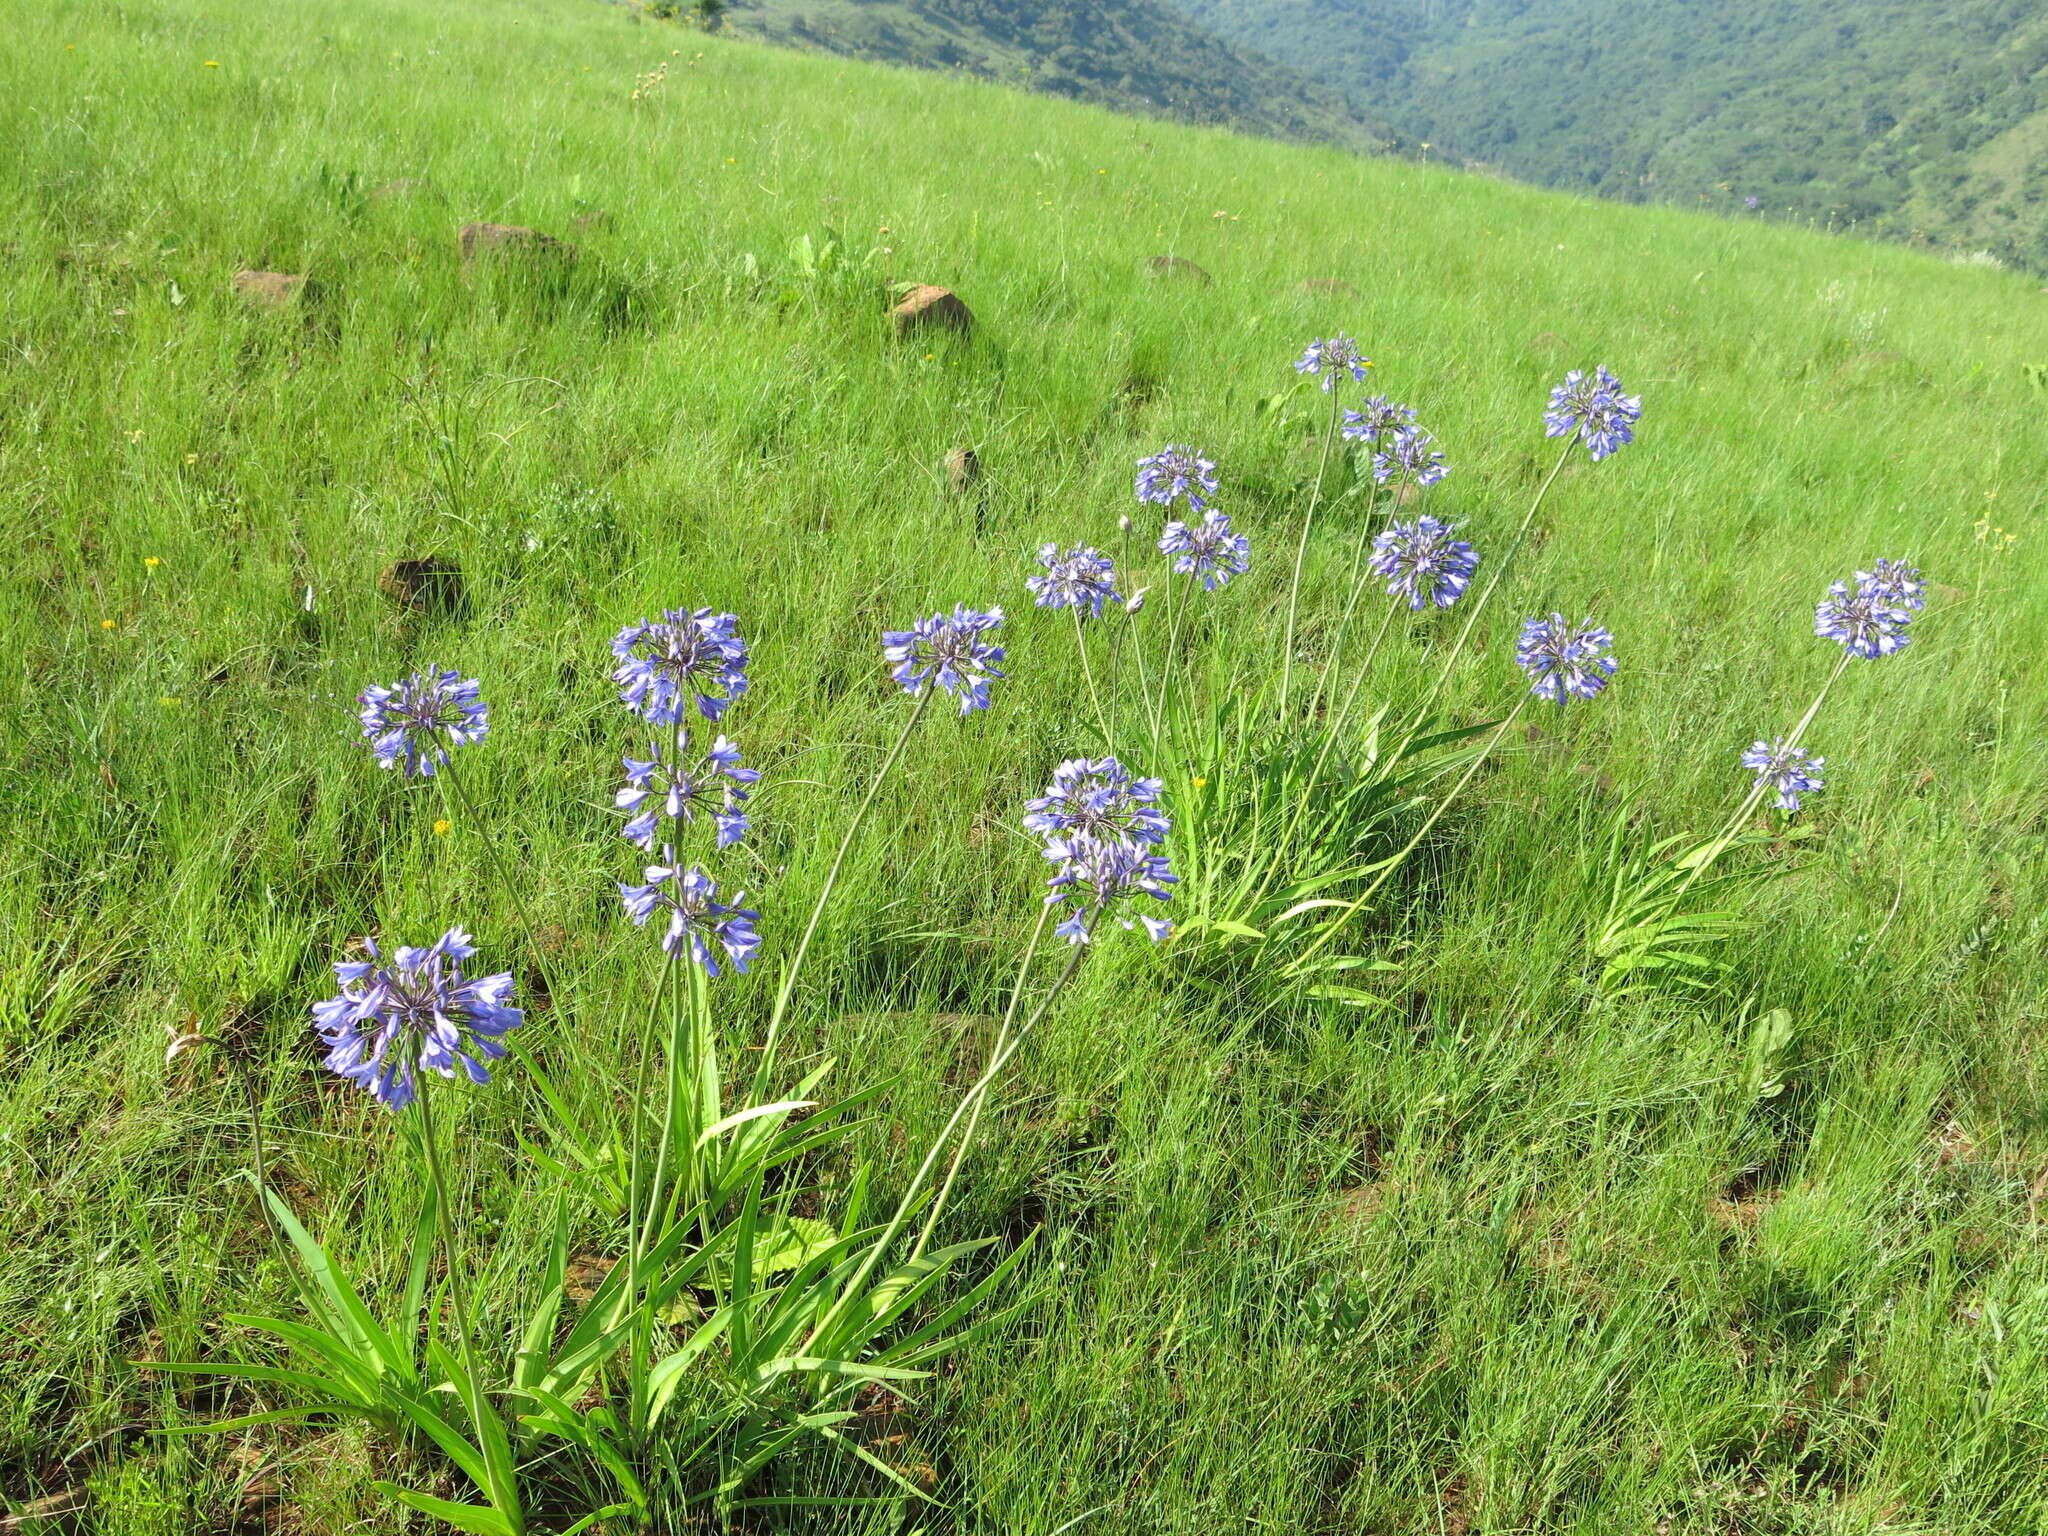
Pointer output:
948, 649
689, 897
682, 658
1562, 661
1176, 473
1786, 770
1411, 453
1332, 357
1102, 828
1098, 798
1381, 417
1425, 562
1078, 578
1869, 620
1208, 549
417, 1013
1594, 411
715, 786
411, 724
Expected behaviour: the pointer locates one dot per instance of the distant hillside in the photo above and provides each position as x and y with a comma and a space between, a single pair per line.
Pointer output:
1918, 119
1134, 55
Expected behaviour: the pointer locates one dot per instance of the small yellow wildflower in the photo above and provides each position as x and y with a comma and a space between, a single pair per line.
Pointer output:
191, 458
135, 436
106, 624
213, 63
441, 827
170, 701
151, 561
1201, 783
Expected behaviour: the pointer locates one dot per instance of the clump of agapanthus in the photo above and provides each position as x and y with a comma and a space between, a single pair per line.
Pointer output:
1784, 769
1330, 358
1562, 661
715, 786
1079, 578
947, 649
1897, 582
1099, 798
1867, 620
1176, 473
1424, 562
1097, 878
1208, 549
683, 658
1412, 453
1378, 418
1594, 411
411, 725
417, 1013
689, 897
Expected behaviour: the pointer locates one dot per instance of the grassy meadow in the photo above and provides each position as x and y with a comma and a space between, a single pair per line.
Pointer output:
1492, 1253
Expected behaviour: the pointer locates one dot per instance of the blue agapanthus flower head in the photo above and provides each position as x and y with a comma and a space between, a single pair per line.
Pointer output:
684, 658
1425, 562
1099, 798
715, 786
1177, 473
1785, 770
1097, 878
1595, 410
1866, 620
1752, 202
1208, 549
1080, 578
1897, 582
1411, 453
1330, 358
1562, 661
411, 725
695, 915
1378, 418
950, 650
417, 1012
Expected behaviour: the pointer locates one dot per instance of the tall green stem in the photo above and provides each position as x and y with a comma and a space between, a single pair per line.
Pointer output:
453, 780
1088, 672
1315, 500
1357, 588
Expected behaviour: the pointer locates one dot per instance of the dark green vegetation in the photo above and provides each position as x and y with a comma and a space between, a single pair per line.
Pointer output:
1495, 1256
1913, 119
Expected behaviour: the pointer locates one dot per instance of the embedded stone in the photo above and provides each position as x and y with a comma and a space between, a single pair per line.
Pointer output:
1177, 266
510, 239
930, 307
430, 585
269, 290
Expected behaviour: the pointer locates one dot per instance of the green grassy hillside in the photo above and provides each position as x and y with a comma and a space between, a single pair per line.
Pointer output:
1492, 1252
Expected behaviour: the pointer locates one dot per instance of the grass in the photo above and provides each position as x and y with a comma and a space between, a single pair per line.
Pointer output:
1494, 1257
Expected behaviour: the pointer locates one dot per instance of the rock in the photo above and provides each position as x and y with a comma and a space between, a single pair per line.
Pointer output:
1177, 266
1330, 285
270, 290
927, 306
963, 470
596, 219
482, 239
431, 585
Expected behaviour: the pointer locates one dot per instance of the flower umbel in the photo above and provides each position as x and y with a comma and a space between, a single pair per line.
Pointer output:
1593, 410
1786, 770
1176, 473
689, 898
1379, 418
716, 786
1424, 562
1096, 875
417, 1013
412, 724
1866, 622
1080, 578
1098, 798
1562, 661
1413, 453
1897, 582
1208, 550
948, 650
685, 657
1330, 357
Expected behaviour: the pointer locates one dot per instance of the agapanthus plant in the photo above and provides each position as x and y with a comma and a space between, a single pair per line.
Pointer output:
684, 658
1329, 358
412, 724
1424, 562
1867, 620
1411, 453
1379, 418
950, 650
1593, 411
1897, 582
1208, 549
418, 1012
1782, 769
1176, 473
1080, 578
1099, 877
1099, 798
714, 787
1562, 661
689, 897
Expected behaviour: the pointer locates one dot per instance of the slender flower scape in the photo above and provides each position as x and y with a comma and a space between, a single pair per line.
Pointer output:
418, 1013
1175, 473
1562, 661
1895, 581
1098, 798
682, 658
1380, 418
1785, 769
656, 788
1870, 621
1208, 550
1328, 358
948, 650
411, 724
1424, 562
1413, 453
1593, 410
1096, 874
1080, 578
693, 913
